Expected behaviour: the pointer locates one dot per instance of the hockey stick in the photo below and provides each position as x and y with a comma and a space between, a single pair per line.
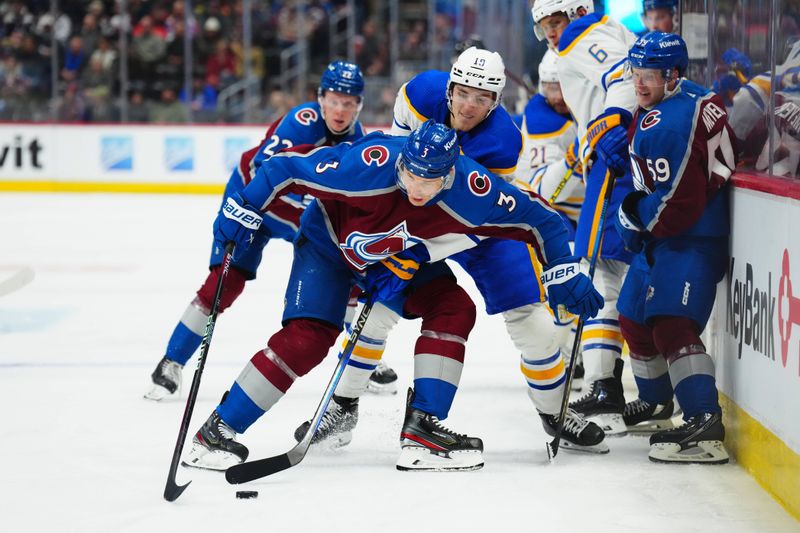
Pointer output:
244, 472
563, 182
172, 491
16, 281
552, 446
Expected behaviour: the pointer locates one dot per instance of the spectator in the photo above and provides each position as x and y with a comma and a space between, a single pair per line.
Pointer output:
96, 83
35, 66
105, 54
71, 106
13, 88
147, 49
222, 64
138, 110
74, 59
90, 33
169, 109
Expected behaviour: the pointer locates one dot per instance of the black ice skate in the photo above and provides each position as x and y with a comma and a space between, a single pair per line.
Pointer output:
336, 426
697, 441
214, 446
604, 403
383, 380
642, 417
578, 435
166, 380
426, 445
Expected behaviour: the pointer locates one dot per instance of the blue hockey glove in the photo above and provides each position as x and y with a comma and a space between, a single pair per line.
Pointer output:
237, 221
608, 136
566, 285
628, 224
389, 278
739, 63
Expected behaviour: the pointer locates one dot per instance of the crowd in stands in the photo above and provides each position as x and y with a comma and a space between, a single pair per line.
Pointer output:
67, 67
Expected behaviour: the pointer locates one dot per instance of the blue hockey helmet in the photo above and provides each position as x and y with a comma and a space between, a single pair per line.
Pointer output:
659, 50
342, 77
429, 152
672, 5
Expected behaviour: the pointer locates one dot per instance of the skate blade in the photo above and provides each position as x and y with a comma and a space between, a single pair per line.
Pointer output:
334, 442
203, 458
382, 388
710, 452
158, 393
600, 448
612, 424
419, 459
643, 429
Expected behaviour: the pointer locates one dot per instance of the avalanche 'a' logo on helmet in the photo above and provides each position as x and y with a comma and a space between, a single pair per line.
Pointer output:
375, 154
479, 184
363, 249
306, 116
650, 119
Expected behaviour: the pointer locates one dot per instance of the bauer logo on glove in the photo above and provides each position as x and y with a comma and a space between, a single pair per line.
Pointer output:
245, 217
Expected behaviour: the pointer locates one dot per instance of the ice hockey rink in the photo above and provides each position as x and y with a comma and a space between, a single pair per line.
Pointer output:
86, 453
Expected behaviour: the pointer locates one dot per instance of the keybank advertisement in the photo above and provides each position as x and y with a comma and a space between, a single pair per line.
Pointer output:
757, 317
123, 154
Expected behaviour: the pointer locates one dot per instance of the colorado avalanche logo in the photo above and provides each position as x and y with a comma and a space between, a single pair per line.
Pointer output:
650, 119
306, 116
375, 154
479, 184
362, 249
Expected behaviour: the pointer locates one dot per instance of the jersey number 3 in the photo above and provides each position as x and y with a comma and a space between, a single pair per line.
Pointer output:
507, 201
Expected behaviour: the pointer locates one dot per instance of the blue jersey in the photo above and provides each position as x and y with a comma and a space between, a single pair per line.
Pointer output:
682, 155
361, 215
495, 143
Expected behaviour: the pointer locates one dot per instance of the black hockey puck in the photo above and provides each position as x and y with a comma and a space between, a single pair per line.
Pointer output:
246, 494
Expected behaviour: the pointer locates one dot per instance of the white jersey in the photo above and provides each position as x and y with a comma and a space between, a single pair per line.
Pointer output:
592, 53
542, 166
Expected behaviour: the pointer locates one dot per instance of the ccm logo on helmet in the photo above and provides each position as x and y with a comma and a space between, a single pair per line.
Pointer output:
479, 184
306, 116
375, 154
650, 119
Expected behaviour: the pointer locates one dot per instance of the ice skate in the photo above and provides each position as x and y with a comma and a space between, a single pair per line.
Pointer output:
577, 377
697, 441
642, 417
604, 403
426, 445
336, 427
578, 435
166, 380
383, 380
214, 446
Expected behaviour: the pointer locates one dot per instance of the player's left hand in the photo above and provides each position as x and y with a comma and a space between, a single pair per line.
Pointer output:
566, 285
389, 278
628, 224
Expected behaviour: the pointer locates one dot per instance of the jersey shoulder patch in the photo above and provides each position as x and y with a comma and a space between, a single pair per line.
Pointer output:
426, 90
541, 119
576, 29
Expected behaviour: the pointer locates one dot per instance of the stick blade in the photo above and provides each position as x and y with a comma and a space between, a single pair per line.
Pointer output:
173, 491
245, 472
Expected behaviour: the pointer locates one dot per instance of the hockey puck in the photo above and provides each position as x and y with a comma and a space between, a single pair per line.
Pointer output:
246, 494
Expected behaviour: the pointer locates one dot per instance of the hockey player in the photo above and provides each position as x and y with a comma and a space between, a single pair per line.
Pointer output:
660, 15
376, 198
330, 120
505, 272
548, 165
592, 53
682, 153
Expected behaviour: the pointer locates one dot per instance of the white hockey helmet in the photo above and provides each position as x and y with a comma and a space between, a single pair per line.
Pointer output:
545, 8
481, 69
548, 68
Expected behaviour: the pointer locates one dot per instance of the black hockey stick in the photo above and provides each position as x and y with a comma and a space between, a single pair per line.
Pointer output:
242, 473
552, 446
172, 491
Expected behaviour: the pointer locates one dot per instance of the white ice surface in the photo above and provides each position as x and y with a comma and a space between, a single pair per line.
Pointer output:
84, 452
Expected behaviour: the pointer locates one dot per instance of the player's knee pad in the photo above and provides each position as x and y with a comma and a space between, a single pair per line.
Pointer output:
639, 338
676, 335
444, 306
302, 344
380, 323
531, 329
231, 289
